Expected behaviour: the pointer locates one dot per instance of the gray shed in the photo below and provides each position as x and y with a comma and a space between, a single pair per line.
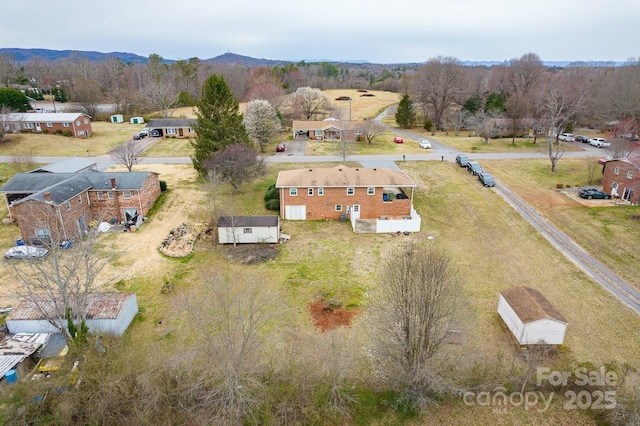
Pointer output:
248, 229
109, 313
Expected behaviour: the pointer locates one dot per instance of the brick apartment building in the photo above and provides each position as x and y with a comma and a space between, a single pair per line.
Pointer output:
623, 174
61, 206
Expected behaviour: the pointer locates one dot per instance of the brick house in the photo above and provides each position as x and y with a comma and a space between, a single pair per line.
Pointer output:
173, 127
623, 175
78, 124
328, 130
61, 206
358, 193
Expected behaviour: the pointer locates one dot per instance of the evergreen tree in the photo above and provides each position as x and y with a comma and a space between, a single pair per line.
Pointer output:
219, 122
405, 116
14, 99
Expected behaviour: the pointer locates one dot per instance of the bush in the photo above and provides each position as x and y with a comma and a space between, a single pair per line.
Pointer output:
272, 205
59, 132
67, 133
559, 185
163, 185
272, 198
428, 125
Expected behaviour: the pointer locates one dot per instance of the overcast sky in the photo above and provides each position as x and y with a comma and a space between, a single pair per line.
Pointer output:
391, 31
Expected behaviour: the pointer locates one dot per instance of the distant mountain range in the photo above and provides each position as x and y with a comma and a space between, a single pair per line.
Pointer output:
24, 55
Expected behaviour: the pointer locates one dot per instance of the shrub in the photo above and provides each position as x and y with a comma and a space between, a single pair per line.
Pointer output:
559, 185
428, 125
59, 132
67, 133
272, 198
163, 185
272, 205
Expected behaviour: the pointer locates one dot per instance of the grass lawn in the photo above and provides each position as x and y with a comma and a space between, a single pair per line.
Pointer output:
106, 136
170, 147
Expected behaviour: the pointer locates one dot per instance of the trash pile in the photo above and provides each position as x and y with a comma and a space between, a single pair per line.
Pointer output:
180, 241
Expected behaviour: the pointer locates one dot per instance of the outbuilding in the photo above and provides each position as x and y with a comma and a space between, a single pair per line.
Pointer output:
117, 118
109, 313
136, 120
248, 229
530, 317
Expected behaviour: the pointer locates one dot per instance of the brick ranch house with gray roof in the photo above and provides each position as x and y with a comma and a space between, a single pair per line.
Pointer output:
173, 127
375, 200
60, 206
78, 124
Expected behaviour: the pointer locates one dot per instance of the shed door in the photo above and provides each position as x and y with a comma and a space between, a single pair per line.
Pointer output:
296, 212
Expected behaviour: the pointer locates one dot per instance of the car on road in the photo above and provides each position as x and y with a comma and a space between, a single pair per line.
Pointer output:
599, 142
26, 252
424, 144
474, 167
591, 193
398, 139
582, 138
462, 160
567, 137
486, 179
281, 147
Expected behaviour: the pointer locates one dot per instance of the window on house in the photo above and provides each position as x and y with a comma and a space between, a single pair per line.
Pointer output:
293, 191
351, 191
338, 207
126, 195
77, 122
310, 192
79, 199
320, 191
67, 205
171, 131
191, 130
247, 230
28, 125
630, 174
110, 195
318, 134
371, 190
86, 121
43, 233
616, 171
65, 124
49, 124
358, 132
100, 195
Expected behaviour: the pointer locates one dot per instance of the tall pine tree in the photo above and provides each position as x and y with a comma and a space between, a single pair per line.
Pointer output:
219, 122
405, 115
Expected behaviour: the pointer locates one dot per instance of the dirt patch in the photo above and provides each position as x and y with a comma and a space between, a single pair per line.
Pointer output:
251, 253
328, 318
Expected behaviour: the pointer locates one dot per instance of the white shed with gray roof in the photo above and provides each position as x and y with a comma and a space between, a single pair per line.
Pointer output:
248, 229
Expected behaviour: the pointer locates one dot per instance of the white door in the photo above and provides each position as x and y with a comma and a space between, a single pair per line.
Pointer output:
38, 128
295, 212
355, 211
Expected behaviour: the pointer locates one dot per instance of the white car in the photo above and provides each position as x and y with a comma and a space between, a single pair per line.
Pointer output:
425, 144
599, 142
567, 137
26, 252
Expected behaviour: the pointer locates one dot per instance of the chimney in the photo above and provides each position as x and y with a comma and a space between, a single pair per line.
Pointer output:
47, 196
113, 183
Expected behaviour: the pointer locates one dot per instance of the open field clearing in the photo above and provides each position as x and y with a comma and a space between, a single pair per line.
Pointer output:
106, 136
611, 233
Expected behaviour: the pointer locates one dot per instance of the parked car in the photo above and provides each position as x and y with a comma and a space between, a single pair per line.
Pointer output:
474, 167
425, 144
591, 193
281, 147
582, 138
567, 137
398, 139
144, 133
487, 179
599, 142
462, 160
156, 133
26, 252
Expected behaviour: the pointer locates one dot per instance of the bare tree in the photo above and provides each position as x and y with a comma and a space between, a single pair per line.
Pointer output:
236, 164
345, 147
592, 167
88, 95
7, 117
563, 96
127, 153
439, 83
621, 147
371, 130
223, 365
517, 112
58, 287
262, 122
309, 102
485, 126
413, 312
459, 118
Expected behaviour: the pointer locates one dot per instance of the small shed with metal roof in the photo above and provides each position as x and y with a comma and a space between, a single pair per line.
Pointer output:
530, 317
109, 313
